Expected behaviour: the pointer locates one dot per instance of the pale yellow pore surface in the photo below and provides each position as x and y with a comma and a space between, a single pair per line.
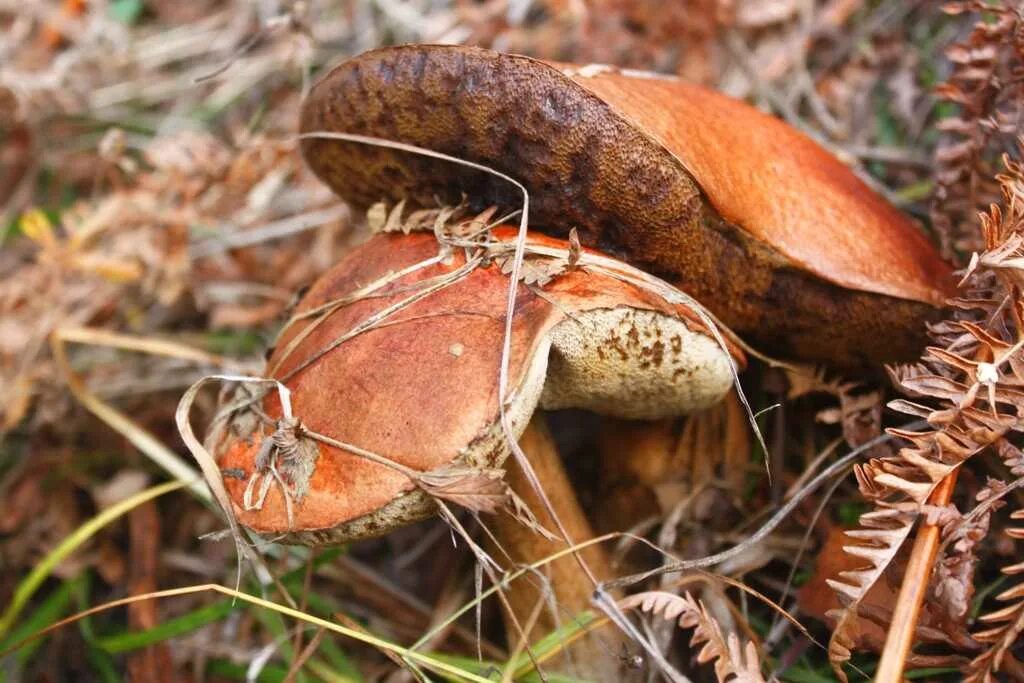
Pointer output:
634, 364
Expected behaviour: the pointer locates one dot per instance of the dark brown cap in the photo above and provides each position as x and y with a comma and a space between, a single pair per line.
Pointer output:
751, 217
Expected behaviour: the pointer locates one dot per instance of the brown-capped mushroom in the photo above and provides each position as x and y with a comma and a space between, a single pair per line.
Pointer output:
420, 386
774, 235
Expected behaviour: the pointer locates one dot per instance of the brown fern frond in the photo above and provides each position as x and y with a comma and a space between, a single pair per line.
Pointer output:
952, 584
985, 84
1005, 625
735, 662
970, 388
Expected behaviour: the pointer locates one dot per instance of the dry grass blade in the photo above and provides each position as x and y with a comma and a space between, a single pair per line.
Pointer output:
838, 467
735, 662
152, 447
362, 636
212, 473
322, 312
158, 347
38, 575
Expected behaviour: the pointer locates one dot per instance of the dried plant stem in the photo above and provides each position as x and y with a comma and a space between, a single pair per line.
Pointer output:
358, 635
141, 438
840, 466
915, 583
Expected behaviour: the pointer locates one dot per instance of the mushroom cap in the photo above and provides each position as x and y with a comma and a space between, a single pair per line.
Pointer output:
422, 388
776, 236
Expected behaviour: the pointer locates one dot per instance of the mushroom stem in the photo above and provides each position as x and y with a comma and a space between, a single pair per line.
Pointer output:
646, 468
596, 655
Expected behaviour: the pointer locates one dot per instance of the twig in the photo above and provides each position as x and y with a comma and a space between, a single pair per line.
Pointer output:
915, 584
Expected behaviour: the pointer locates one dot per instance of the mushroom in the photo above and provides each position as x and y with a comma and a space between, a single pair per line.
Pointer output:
564, 592
392, 362
774, 235
419, 386
393, 356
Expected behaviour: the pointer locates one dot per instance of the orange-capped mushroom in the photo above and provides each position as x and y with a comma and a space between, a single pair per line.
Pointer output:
420, 386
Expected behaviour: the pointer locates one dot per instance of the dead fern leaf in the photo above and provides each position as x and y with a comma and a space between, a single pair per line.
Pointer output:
735, 662
986, 87
379, 218
1006, 625
973, 377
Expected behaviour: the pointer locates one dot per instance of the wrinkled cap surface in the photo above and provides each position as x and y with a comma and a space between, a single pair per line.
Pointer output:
421, 388
751, 217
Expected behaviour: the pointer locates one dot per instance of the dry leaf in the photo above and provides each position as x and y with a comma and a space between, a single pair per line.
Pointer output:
535, 270
478, 490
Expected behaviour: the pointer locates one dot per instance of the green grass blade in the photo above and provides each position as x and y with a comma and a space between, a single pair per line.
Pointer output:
103, 666
28, 586
49, 610
170, 628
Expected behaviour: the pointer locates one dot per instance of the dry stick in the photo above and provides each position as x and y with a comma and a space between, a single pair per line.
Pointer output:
915, 584
811, 526
275, 230
301, 655
523, 641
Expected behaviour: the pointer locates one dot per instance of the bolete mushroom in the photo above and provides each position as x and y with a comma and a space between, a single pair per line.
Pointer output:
396, 351
774, 235
393, 356
392, 361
